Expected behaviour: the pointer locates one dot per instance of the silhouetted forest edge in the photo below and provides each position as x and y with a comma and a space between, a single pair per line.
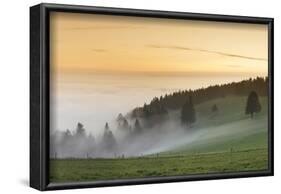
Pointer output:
175, 100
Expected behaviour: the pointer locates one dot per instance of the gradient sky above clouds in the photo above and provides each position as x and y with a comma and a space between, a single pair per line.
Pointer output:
100, 43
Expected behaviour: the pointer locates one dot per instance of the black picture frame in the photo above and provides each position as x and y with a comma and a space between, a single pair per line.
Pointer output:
39, 93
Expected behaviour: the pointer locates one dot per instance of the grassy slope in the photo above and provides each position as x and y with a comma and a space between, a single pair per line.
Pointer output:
229, 129
211, 152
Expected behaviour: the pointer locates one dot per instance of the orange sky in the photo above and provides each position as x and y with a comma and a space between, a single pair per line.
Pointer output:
99, 43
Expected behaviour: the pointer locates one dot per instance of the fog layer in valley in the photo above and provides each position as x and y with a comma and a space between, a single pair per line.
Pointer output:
86, 122
119, 142
94, 99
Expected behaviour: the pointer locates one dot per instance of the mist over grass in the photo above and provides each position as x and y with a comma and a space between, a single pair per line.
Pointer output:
228, 129
127, 143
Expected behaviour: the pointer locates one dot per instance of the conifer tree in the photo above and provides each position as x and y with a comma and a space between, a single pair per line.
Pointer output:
253, 104
188, 113
137, 126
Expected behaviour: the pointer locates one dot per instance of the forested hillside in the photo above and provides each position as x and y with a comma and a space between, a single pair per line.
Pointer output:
174, 101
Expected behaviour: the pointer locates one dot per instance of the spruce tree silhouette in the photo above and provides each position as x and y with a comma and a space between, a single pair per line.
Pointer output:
253, 104
188, 113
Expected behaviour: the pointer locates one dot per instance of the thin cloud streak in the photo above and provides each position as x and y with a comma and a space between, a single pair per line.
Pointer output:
234, 66
98, 50
208, 51
101, 28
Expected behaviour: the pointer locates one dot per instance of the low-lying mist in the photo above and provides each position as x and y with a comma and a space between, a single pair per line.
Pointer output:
119, 140
168, 122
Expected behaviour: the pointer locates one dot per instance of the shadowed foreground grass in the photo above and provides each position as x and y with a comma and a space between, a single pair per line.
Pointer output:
69, 170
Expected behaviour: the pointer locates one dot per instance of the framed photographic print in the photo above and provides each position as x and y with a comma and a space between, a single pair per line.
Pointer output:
125, 96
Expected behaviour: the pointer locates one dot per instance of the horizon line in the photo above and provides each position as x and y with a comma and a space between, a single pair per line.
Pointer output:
159, 73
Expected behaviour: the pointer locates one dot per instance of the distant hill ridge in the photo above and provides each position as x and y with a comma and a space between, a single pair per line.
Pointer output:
175, 100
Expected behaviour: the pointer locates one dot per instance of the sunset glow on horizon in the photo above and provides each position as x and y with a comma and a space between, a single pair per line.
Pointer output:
121, 44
